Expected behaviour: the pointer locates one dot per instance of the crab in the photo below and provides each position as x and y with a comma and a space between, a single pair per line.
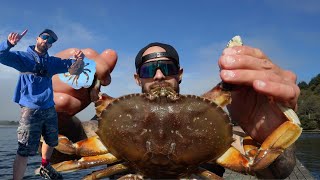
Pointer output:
75, 72
162, 134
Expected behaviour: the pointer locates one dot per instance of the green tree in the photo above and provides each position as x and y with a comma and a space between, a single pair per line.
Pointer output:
303, 85
314, 82
309, 103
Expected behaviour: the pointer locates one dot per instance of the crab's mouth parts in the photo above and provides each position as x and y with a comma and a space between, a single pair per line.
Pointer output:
160, 85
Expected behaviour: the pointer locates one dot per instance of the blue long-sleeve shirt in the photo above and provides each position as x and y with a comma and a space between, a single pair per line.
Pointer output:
34, 87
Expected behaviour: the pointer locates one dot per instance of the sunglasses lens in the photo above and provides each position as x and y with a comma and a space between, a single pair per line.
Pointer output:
49, 39
168, 68
148, 70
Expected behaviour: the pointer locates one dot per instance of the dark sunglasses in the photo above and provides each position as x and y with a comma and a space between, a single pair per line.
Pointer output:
148, 69
49, 39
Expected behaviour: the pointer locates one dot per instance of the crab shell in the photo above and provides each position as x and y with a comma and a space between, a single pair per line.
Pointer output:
165, 137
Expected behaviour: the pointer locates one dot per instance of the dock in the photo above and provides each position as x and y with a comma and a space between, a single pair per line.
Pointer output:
299, 172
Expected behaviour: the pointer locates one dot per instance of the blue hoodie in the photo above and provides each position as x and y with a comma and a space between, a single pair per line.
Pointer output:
34, 87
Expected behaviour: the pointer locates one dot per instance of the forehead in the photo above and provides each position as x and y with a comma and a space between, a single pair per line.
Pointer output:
155, 49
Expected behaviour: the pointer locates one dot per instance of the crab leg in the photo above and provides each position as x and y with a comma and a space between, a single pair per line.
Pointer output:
280, 139
250, 147
85, 162
87, 147
115, 169
234, 160
87, 76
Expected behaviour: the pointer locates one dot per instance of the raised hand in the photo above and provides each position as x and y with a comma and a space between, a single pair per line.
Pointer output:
259, 80
14, 37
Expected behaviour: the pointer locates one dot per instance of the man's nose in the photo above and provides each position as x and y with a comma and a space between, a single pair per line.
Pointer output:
159, 75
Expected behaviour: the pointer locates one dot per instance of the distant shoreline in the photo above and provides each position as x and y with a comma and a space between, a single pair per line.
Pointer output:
8, 123
8, 126
311, 131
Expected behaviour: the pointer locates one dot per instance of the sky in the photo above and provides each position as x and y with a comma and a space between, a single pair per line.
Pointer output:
288, 31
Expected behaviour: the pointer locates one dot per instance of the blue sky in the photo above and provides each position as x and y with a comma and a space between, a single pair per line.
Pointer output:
288, 31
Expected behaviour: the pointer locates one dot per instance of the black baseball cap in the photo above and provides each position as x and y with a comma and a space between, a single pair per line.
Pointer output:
170, 53
51, 33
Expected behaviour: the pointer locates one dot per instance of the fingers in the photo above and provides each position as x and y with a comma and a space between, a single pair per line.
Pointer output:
246, 77
286, 93
90, 53
270, 84
244, 50
78, 54
244, 65
245, 62
23, 33
110, 57
106, 61
14, 38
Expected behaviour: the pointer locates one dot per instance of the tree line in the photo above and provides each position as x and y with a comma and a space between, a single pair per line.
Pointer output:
309, 104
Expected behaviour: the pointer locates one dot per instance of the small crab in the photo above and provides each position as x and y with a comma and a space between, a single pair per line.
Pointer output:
75, 71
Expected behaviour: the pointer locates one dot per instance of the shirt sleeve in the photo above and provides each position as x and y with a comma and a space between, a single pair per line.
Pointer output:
11, 58
59, 65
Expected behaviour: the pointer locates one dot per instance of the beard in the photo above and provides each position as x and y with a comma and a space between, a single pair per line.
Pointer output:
42, 47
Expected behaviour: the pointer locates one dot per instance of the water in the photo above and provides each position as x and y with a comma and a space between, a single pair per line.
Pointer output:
308, 152
8, 148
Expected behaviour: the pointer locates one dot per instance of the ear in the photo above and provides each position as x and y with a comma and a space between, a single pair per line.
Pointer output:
137, 79
180, 75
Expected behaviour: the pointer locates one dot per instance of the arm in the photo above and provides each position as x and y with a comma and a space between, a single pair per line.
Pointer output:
73, 66
255, 81
8, 58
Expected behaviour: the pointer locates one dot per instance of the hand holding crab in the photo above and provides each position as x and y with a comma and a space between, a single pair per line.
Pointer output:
70, 101
257, 81
263, 99
77, 68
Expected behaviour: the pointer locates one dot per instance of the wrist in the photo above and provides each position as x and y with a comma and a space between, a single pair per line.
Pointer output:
9, 44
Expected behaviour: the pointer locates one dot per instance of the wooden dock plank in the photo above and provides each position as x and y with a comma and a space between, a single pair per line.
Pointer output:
299, 172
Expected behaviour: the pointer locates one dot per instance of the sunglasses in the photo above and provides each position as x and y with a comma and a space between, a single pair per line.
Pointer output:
148, 69
49, 39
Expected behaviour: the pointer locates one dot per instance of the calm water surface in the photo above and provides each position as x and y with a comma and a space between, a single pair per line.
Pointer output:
308, 152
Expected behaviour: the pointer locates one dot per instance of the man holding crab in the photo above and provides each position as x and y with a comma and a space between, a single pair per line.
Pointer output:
34, 93
256, 78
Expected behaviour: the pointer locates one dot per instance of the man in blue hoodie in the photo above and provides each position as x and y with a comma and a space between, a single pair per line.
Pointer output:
34, 94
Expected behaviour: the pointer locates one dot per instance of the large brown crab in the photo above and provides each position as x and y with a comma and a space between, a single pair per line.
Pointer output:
166, 135
162, 134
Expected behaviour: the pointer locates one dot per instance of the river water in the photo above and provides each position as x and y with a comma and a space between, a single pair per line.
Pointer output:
308, 152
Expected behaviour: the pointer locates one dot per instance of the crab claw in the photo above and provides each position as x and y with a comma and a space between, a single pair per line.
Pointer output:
101, 104
219, 95
88, 147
